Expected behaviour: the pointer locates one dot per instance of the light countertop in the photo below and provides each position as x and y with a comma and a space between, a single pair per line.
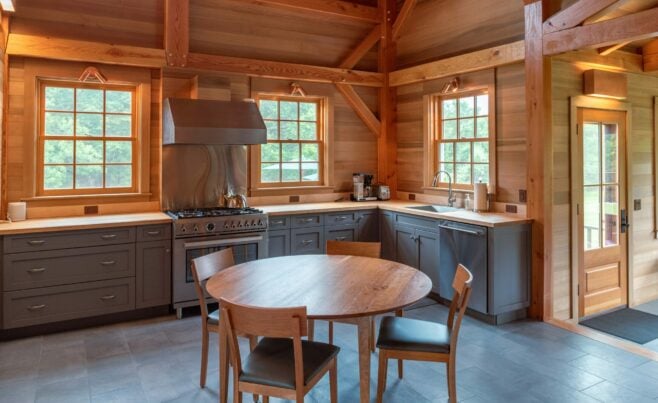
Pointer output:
85, 222
400, 206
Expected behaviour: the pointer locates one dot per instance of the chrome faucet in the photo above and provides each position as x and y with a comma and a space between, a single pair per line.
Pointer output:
451, 198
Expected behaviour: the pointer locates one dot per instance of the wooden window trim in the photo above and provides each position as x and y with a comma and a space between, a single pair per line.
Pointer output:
433, 129
36, 70
325, 126
41, 140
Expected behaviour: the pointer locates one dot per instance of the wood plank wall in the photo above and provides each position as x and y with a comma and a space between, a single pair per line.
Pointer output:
510, 130
567, 82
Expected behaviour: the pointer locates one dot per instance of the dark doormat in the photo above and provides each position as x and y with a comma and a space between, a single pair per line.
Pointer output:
630, 324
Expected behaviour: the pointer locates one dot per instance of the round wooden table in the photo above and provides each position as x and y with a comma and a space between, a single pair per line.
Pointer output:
331, 287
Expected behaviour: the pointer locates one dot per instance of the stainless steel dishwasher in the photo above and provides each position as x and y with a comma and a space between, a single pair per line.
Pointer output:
465, 244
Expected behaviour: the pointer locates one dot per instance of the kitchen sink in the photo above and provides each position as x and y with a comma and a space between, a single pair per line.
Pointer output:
434, 209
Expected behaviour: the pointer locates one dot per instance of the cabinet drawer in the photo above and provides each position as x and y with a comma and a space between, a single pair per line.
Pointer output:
431, 225
69, 239
307, 241
340, 218
340, 233
307, 220
52, 304
278, 222
41, 269
154, 232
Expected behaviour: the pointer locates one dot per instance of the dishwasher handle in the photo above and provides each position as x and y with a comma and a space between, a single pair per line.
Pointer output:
461, 229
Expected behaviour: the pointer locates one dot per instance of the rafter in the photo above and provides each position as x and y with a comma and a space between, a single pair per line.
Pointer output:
474, 61
650, 56
629, 28
360, 107
177, 32
606, 50
575, 14
331, 8
362, 48
403, 16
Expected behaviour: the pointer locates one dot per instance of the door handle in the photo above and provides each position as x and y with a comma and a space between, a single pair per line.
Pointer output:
307, 242
464, 230
341, 238
624, 224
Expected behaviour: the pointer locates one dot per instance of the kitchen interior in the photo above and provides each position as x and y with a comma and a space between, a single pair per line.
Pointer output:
416, 168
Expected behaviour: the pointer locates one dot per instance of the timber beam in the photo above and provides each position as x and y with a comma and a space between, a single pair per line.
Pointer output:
177, 32
362, 48
403, 16
575, 14
650, 56
360, 108
330, 8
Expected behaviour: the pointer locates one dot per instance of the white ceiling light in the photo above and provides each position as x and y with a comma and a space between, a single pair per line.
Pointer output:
7, 5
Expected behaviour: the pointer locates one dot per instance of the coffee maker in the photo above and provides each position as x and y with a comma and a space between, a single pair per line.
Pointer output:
363, 189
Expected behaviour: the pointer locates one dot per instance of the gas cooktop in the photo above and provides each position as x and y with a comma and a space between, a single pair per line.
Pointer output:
211, 212
217, 221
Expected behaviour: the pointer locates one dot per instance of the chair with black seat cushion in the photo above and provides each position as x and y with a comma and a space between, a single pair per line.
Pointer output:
411, 339
203, 268
282, 364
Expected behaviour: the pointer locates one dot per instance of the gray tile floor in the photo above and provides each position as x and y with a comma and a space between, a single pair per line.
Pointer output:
158, 360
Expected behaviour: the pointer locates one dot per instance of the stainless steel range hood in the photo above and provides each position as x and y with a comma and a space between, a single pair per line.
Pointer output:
200, 121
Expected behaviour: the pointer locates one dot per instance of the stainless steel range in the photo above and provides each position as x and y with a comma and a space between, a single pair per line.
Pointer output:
198, 232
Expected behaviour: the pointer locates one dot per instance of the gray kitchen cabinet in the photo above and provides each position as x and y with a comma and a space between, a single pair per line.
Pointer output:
406, 249
340, 233
418, 247
278, 243
367, 222
153, 279
307, 241
387, 234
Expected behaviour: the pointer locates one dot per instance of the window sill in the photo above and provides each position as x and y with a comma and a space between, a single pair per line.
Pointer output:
429, 189
292, 190
112, 196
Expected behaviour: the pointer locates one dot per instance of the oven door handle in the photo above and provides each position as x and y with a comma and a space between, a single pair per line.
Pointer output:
220, 242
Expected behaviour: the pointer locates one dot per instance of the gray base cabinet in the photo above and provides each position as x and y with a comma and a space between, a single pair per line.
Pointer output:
417, 246
308, 233
387, 234
56, 276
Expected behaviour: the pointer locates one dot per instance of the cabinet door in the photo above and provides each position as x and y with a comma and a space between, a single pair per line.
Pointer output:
367, 226
340, 233
153, 274
406, 247
307, 241
278, 243
428, 256
387, 235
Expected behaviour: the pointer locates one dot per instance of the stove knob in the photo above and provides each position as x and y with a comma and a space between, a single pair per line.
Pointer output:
196, 229
260, 223
226, 226
240, 224
247, 224
232, 224
210, 227
182, 228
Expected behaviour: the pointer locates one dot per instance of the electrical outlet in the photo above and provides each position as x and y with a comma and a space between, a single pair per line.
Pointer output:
637, 204
510, 208
412, 196
91, 209
293, 199
523, 196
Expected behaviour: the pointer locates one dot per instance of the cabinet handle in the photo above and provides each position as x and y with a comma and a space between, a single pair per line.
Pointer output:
341, 238
278, 222
36, 307
36, 243
108, 236
108, 263
108, 297
37, 270
168, 250
341, 218
306, 242
308, 220
153, 233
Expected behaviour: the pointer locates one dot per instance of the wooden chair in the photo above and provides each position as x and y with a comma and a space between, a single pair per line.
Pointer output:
366, 249
203, 268
410, 339
282, 364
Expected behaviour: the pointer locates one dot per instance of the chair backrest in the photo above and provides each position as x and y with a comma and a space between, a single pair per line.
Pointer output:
205, 267
366, 249
462, 286
268, 322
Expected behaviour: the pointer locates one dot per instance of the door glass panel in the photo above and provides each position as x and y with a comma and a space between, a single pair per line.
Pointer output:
611, 215
592, 217
591, 154
610, 153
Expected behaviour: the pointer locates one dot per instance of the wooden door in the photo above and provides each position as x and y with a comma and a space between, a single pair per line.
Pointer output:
601, 212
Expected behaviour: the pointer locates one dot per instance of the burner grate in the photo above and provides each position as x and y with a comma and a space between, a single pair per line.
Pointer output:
212, 212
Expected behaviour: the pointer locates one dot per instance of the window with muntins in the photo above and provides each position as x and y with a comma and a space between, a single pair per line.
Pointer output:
293, 154
86, 139
463, 138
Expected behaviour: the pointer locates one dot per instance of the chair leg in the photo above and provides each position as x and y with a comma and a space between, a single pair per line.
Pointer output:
400, 369
452, 385
372, 334
381, 375
204, 357
333, 381
331, 332
311, 329
237, 394
253, 342
266, 399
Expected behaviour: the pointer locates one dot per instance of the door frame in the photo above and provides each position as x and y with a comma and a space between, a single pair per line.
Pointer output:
577, 252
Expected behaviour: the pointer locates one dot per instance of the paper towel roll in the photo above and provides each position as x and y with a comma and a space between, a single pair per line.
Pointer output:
16, 211
480, 197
